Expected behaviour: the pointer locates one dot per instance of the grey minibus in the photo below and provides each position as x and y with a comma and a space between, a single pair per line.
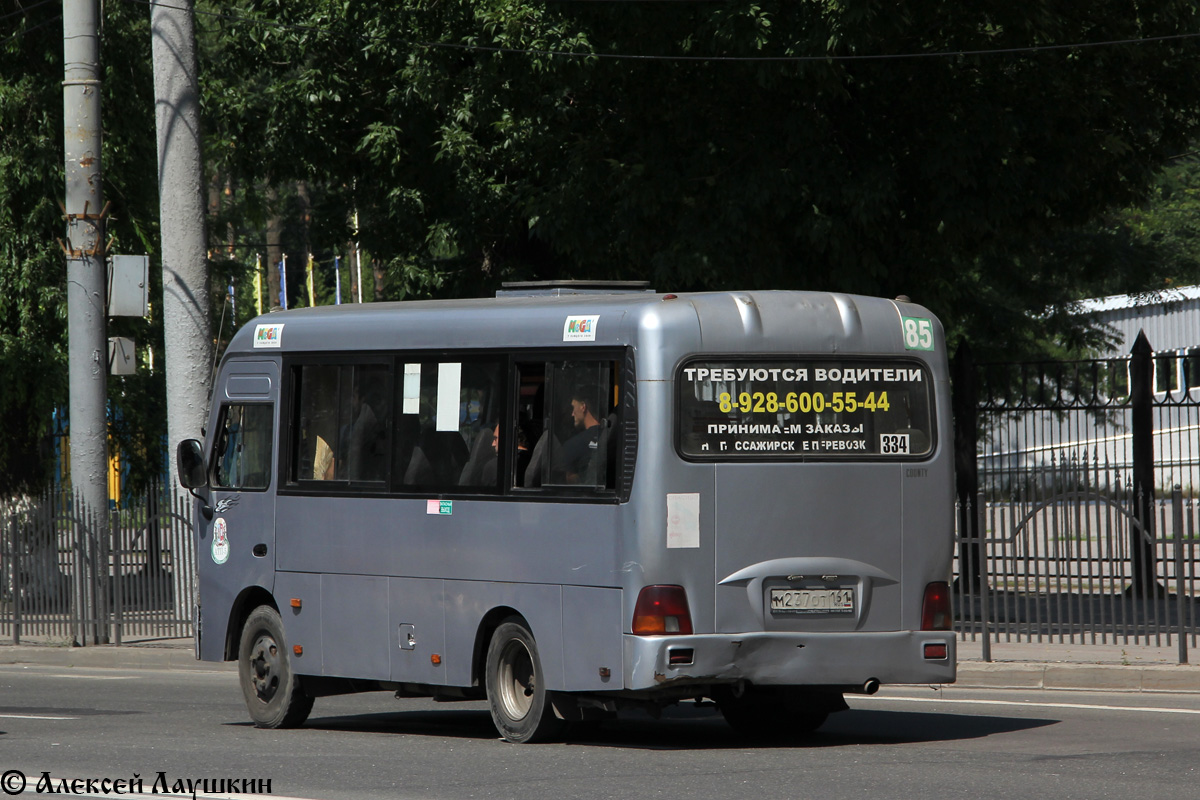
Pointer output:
573, 499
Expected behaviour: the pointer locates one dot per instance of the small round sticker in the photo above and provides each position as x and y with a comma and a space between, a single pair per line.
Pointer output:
220, 545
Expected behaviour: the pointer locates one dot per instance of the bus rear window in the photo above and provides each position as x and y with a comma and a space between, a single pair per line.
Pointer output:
804, 409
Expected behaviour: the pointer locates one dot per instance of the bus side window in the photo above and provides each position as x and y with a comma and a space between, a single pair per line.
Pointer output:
446, 414
577, 446
243, 447
342, 432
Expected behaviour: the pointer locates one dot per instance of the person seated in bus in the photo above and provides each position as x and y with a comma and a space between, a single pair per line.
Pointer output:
323, 461
578, 453
480, 469
437, 459
358, 436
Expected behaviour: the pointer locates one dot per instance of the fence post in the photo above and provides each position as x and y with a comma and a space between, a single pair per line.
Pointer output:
15, 566
1180, 537
985, 604
964, 402
1141, 536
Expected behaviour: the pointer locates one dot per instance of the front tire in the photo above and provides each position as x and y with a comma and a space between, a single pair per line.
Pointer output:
516, 686
273, 694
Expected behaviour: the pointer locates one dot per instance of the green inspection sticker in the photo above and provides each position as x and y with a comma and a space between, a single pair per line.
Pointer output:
918, 333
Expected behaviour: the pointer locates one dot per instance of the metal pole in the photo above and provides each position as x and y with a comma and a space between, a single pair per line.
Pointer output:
1181, 538
964, 401
984, 590
187, 324
84, 245
1141, 537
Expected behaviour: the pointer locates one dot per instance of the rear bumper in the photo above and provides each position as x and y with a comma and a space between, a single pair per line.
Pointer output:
788, 659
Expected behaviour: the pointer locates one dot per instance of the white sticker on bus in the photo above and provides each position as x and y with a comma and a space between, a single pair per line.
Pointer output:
268, 335
449, 388
683, 520
580, 329
220, 544
412, 389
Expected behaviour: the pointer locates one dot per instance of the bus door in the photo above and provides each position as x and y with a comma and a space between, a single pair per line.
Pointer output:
239, 539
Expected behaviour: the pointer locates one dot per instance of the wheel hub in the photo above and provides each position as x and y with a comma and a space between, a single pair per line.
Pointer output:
517, 681
264, 667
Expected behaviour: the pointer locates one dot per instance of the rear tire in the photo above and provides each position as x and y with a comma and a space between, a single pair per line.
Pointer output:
516, 686
273, 694
776, 713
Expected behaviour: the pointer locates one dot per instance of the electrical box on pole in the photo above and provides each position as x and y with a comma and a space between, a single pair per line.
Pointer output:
122, 356
129, 286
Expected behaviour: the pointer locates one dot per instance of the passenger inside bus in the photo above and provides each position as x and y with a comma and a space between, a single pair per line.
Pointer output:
576, 459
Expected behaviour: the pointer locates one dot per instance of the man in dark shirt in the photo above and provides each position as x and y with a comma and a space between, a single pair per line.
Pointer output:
578, 452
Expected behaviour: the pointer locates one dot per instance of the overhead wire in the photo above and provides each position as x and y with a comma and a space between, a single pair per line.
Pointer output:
954, 53
30, 30
23, 11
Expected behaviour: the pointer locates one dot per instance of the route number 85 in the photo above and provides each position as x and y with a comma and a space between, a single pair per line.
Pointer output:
918, 333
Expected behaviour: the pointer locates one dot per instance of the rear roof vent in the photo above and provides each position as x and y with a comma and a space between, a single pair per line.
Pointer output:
560, 288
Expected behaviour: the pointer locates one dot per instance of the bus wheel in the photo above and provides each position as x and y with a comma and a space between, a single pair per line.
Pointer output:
516, 686
769, 713
273, 694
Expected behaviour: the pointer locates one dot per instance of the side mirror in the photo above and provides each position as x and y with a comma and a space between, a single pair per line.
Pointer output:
189, 459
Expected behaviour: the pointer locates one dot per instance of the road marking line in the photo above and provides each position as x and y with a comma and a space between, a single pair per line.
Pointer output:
1032, 704
88, 677
32, 716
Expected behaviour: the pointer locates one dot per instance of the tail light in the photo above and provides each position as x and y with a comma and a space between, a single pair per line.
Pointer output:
661, 609
935, 609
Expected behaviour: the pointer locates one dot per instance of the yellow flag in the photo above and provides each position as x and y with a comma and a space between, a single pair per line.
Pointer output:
258, 284
311, 300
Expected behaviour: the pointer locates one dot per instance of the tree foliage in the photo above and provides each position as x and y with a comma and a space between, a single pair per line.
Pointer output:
987, 159
926, 150
33, 314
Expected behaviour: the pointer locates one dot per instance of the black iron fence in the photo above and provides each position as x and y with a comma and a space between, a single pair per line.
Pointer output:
1077, 501
72, 575
1078, 489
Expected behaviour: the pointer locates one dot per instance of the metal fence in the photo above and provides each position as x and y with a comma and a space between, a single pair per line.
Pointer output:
71, 575
1077, 502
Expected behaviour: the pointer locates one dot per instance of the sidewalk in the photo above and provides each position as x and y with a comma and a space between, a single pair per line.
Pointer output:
1052, 666
138, 654
1100, 667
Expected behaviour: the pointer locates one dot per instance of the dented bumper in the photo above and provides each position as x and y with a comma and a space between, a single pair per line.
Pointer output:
789, 659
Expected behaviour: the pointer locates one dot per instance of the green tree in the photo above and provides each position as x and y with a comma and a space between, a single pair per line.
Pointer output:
33, 333
494, 140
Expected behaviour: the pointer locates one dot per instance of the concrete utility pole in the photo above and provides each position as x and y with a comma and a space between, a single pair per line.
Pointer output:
87, 351
187, 327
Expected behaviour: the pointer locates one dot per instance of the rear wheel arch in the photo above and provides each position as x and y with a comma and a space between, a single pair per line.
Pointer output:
483, 637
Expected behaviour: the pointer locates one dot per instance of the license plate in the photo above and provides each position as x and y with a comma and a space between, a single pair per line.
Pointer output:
812, 601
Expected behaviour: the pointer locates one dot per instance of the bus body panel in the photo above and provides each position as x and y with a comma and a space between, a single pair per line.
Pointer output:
755, 527
399, 537
355, 626
418, 630
592, 647
298, 595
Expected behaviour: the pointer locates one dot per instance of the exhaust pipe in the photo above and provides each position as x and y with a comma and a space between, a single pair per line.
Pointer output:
870, 686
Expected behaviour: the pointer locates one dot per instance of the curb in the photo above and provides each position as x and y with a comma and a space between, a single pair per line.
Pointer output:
1079, 677
111, 657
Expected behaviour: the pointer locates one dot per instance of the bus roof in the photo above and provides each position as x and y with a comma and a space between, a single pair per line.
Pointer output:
751, 321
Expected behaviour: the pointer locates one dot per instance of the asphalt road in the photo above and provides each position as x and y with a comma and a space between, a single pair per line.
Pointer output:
910, 743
